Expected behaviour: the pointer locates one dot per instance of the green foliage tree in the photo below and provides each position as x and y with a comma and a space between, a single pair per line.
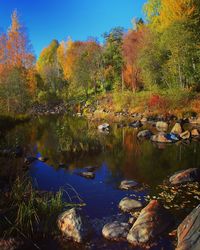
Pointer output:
112, 57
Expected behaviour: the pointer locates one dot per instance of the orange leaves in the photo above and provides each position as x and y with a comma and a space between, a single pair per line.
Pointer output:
131, 48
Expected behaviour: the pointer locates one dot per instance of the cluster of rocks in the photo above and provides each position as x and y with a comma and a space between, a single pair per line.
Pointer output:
43, 109
153, 221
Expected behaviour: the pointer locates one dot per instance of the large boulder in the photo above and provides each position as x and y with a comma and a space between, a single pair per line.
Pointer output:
144, 134
74, 225
188, 175
128, 204
116, 231
161, 138
177, 129
128, 184
162, 126
151, 223
188, 231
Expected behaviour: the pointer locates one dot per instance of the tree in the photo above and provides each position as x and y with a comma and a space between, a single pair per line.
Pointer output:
131, 52
112, 57
16, 63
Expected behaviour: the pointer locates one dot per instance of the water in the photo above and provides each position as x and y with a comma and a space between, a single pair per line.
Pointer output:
75, 143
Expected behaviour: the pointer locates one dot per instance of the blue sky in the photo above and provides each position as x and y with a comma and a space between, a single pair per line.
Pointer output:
79, 19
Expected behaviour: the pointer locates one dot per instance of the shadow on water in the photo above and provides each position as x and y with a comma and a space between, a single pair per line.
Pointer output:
71, 144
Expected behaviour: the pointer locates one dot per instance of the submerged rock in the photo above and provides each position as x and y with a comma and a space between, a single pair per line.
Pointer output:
177, 129
128, 184
145, 134
128, 204
162, 126
104, 126
185, 135
74, 225
188, 231
87, 175
151, 223
188, 175
161, 138
116, 231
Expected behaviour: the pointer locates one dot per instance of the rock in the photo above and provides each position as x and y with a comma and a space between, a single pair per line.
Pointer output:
43, 159
74, 225
151, 223
143, 120
188, 175
188, 231
195, 120
144, 134
128, 205
128, 184
87, 175
116, 231
185, 135
162, 126
104, 126
177, 129
135, 124
161, 138
30, 159
195, 133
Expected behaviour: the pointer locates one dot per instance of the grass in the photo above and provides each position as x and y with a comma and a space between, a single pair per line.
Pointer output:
29, 212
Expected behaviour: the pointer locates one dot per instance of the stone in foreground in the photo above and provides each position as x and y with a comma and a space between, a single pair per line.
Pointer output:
128, 184
188, 175
116, 231
128, 205
151, 223
188, 231
74, 225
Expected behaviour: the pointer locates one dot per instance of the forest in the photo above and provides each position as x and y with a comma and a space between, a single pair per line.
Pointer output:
158, 59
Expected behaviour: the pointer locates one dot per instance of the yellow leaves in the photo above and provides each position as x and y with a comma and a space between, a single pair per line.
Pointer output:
173, 10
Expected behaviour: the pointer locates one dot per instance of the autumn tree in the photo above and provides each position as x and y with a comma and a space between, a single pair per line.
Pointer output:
17, 60
132, 44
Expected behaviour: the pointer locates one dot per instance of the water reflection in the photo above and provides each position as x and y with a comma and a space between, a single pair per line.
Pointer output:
75, 143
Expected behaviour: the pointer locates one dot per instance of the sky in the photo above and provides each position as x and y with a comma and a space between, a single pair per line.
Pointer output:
46, 20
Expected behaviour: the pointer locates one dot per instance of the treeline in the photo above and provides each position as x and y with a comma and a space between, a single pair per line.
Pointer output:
163, 51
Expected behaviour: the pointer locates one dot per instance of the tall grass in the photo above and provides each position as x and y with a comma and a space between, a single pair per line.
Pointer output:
30, 212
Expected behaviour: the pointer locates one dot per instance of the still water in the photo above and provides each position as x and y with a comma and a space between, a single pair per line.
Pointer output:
71, 144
